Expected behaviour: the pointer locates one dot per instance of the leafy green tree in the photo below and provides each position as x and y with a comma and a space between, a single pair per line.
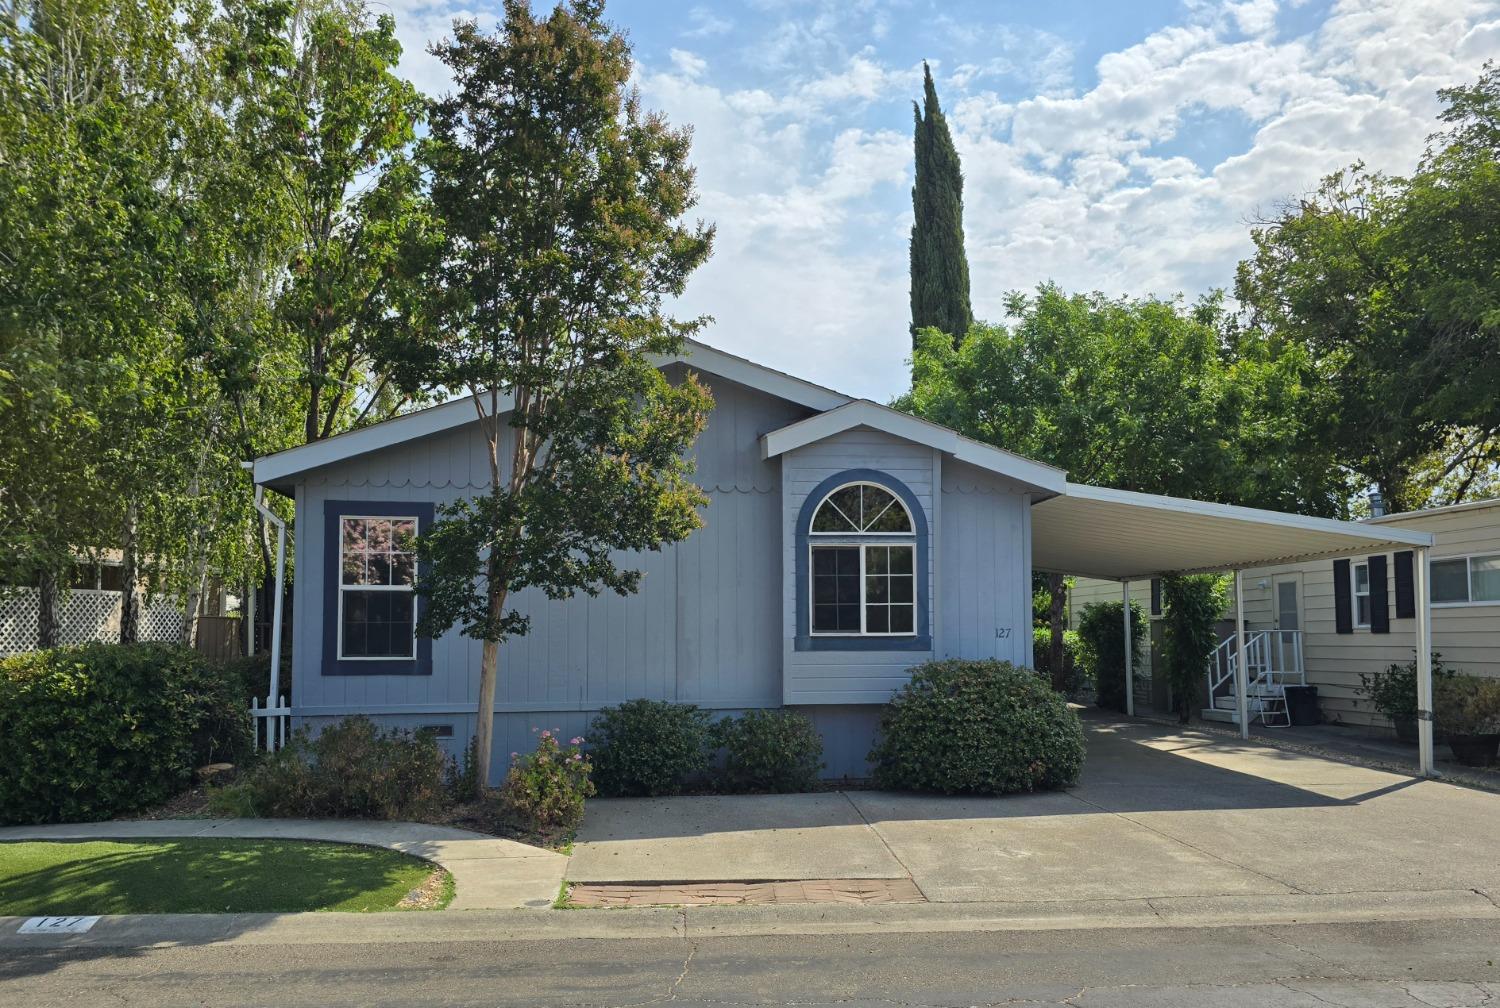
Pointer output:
98, 101
561, 203
330, 125
1191, 604
939, 264
1385, 285
1142, 395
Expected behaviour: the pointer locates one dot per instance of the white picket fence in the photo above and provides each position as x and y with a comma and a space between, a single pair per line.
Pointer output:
272, 723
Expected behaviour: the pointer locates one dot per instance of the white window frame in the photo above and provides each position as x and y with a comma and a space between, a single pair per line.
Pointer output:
1468, 559
862, 540
343, 588
1355, 595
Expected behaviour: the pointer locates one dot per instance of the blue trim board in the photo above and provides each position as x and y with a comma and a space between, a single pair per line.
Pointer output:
330, 664
805, 641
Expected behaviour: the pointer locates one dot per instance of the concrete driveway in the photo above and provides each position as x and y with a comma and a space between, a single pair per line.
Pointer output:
1159, 814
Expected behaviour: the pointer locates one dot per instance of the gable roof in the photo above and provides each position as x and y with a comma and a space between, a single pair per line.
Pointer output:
1046, 479
277, 470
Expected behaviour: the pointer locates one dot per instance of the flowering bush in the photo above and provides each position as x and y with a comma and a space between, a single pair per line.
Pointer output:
545, 790
983, 727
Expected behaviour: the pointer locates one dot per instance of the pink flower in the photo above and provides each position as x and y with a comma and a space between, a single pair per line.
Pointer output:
514, 755
577, 758
576, 741
547, 734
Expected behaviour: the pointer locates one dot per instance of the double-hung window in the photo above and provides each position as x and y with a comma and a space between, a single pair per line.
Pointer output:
1470, 579
863, 567
377, 615
1360, 572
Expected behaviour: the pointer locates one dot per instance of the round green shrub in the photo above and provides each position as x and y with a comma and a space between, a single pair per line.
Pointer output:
649, 747
981, 727
771, 751
100, 730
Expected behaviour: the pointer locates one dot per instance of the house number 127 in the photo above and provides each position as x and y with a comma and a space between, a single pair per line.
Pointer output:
1002, 632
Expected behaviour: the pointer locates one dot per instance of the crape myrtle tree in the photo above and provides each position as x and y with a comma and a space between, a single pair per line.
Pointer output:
562, 205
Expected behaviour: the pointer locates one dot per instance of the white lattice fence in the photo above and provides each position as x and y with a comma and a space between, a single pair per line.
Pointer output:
87, 615
162, 621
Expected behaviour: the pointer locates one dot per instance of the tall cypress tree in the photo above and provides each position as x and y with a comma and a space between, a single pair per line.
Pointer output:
939, 268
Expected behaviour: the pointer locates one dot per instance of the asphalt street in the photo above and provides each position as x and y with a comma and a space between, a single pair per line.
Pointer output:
1430, 963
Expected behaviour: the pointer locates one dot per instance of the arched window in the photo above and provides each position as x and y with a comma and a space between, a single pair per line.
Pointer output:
863, 564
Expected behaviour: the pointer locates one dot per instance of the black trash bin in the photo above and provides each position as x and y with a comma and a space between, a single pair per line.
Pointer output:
1302, 705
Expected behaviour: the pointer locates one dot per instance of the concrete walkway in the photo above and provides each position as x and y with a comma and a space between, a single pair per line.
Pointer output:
488, 873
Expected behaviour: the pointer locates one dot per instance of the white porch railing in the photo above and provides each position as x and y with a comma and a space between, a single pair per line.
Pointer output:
271, 725
1273, 661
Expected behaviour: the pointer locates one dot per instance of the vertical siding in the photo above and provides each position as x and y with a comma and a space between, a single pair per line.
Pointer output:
845, 677
984, 570
704, 628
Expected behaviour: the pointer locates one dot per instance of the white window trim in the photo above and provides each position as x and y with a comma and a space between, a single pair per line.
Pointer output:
857, 540
1355, 596
895, 497
343, 588
1470, 602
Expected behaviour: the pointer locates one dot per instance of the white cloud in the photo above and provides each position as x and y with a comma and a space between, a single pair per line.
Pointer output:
1141, 182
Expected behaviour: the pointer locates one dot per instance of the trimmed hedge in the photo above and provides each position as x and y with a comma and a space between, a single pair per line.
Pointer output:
649, 747
100, 730
1101, 646
981, 727
770, 751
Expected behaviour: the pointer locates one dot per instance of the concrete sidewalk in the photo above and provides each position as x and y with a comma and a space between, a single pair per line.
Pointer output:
488, 873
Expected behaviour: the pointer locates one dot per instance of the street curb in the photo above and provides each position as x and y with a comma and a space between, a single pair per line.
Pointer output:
147, 930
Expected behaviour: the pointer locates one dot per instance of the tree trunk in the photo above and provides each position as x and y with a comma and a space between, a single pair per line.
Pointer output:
47, 629
130, 606
194, 602
1057, 598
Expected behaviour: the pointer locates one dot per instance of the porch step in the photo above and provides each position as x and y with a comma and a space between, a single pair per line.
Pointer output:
1219, 714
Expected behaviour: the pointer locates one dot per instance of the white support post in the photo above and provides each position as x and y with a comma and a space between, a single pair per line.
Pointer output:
280, 592
1241, 664
1423, 586
1129, 676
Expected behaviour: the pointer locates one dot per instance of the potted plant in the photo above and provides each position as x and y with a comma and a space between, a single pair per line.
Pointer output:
1394, 693
1468, 709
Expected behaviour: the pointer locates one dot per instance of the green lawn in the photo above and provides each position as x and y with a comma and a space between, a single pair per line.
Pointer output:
206, 876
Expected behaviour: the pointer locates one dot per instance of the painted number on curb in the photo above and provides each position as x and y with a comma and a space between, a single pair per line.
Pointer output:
57, 925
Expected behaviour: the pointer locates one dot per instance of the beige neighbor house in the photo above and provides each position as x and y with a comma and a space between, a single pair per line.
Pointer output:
1326, 622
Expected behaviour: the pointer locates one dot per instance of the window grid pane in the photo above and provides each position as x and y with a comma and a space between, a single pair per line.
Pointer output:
377, 567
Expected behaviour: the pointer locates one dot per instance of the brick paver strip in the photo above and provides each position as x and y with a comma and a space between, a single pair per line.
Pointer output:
869, 891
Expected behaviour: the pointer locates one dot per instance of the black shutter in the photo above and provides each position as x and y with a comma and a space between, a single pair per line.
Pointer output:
1343, 619
1406, 592
1156, 596
1380, 607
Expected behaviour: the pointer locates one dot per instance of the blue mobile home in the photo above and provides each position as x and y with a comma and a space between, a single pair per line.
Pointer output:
844, 542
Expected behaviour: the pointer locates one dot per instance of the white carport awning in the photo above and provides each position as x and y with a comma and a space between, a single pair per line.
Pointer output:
1116, 534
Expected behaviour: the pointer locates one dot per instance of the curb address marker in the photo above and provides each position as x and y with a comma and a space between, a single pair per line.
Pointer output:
57, 925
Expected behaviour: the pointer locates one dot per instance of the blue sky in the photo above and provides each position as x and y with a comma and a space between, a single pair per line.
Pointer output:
1119, 146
